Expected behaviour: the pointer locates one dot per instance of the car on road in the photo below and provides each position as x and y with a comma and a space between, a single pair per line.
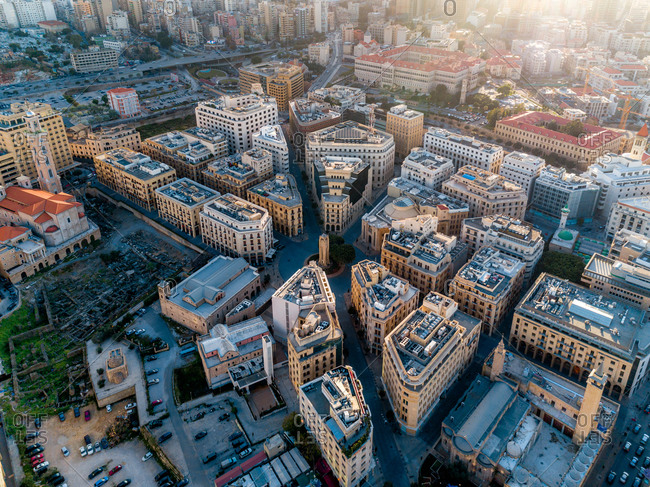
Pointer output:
164, 437
101, 481
131, 405
245, 453
95, 473
87, 415
627, 447
637, 428
156, 402
611, 477
124, 483
115, 469
200, 434
152, 371
65, 451
624, 477
147, 456
152, 382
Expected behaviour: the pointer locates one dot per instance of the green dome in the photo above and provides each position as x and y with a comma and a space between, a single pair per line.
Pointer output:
565, 235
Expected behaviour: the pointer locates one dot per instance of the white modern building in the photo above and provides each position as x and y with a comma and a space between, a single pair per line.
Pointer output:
430, 170
272, 139
522, 169
237, 117
319, 53
463, 150
339, 95
25, 13
631, 214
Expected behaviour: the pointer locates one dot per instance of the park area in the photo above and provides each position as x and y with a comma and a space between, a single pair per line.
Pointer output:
209, 73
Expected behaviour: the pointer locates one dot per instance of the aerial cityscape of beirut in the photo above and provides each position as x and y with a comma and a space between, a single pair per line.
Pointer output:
324, 243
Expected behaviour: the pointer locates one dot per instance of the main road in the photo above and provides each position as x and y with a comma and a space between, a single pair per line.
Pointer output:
333, 67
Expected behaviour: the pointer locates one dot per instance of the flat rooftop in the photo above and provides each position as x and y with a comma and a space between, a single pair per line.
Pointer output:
235, 208
465, 141
604, 321
312, 111
634, 276
490, 271
308, 285
642, 203
188, 192
560, 178
426, 159
473, 177
134, 163
349, 133
516, 230
281, 189
388, 290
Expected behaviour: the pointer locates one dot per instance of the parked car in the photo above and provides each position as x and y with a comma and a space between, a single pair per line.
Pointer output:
637, 428
152, 372
164, 437
98, 447
88, 440
639, 451
115, 469
624, 477
101, 481
109, 408
40, 449
77, 412
87, 415
61, 417
644, 439
41, 467
151, 358
37, 423
236, 435
627, 446
637, 482
104, 443
210, 457
36, 457
634, 461
54, 477
161, 474
65, 451
183, 482
147, 456
224, 416
131, 405
200, 434
152, 382
95, 473
82, 451
32, 435
245, 453
155, 423
646, 462
156, 402
124, 483
30, 449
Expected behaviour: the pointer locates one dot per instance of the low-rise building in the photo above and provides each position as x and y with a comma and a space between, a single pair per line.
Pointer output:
307, 115
124, 101
424, 355
339, 96
631, 214
181, 202
406, 126
574, 329
319, 53
336, 414
486, 193
515, 238
315, 345
85, 144
133, 175
281, 198
381, 301
464, 150
488, 286
94, 60
271, 139
307, 287
237, 173
204, 298
237, 228
342, 187
426, 168
188, 151
522, 169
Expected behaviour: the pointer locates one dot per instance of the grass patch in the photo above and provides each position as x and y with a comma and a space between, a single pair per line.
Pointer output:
22, 320
189, 381
151, 129
210, 73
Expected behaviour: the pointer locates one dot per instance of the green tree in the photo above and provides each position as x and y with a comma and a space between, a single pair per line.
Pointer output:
565, 266
164, 40
505, 89
291, 423
256, 59
75, 40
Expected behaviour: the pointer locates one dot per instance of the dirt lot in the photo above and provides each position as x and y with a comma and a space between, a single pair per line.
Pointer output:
76, 468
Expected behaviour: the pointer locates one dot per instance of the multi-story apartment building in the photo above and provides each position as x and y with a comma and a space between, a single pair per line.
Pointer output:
238, 228
464, 150
237, 173
430, 170
94, 60
351, 139
574, 329
342, 187
406, 126
522, 169
319, 53
423, 257
307, 115
488, 286
314, 345
486, 193
189, 151
204, 298
339, 96
423, 357
281, 198
336, 414
631, 214
555, 189
282, 81
623, 274
407, 199
529, 129
237, 117
306, 288
381, 301
133, 175
85, 144
512, 237
124, 101
419, 69
16, 153
271, 139
181, 202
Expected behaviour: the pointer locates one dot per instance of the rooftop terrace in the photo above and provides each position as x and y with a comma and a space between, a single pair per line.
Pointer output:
187, 192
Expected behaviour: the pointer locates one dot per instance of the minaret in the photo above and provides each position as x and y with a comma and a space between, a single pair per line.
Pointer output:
324, 250
48, 179
640, 143
588, 416
498, 360
564, 217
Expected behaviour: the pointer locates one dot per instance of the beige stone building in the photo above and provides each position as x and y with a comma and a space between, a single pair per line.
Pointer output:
315, 345
488, 286
631, 214
181, 202
423, 357
133, 175
307, 115
464, 150
189, 151
336, 414
237, 228
486, 193
237, 173
381, 301
282, 81
85, 144
407, 127
427, 259
281, 198
515, 238
427, 169
574, 329
342, 187
205, 298
18, 159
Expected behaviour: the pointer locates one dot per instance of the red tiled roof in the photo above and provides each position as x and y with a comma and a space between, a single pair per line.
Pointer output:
9, 233
449, 61
33, 202
644, 131
639, 67
51, 22
625, 82
121, 90
609, 70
